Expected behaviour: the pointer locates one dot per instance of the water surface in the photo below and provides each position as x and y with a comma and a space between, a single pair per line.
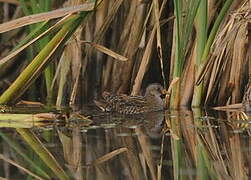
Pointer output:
187, 144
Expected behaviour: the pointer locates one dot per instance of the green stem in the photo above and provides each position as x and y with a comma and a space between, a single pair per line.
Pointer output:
201, 37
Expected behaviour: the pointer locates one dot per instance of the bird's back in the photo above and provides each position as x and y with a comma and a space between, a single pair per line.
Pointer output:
125, 104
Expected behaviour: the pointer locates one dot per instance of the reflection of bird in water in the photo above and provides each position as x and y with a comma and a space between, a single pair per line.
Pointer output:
125, 104
154, 124
246, 102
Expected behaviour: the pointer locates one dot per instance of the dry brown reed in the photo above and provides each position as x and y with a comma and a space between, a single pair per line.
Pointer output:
142, 34
226, 72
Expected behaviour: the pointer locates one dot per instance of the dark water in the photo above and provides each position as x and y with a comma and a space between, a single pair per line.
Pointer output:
185, 144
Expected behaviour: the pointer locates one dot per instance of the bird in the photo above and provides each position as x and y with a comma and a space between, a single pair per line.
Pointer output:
246, 101
126, 104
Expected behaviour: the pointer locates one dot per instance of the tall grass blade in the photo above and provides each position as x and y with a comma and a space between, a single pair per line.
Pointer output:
36, 66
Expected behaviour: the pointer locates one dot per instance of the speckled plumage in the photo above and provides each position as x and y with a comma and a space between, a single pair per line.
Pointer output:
246, 101
125, 104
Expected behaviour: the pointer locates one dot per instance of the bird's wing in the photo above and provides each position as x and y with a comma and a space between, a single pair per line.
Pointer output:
131, 105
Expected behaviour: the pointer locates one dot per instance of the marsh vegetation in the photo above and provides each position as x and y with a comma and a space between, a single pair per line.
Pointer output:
61, 55
71, 51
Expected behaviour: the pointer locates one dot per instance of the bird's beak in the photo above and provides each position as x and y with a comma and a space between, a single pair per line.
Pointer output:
163, 94
164, 91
